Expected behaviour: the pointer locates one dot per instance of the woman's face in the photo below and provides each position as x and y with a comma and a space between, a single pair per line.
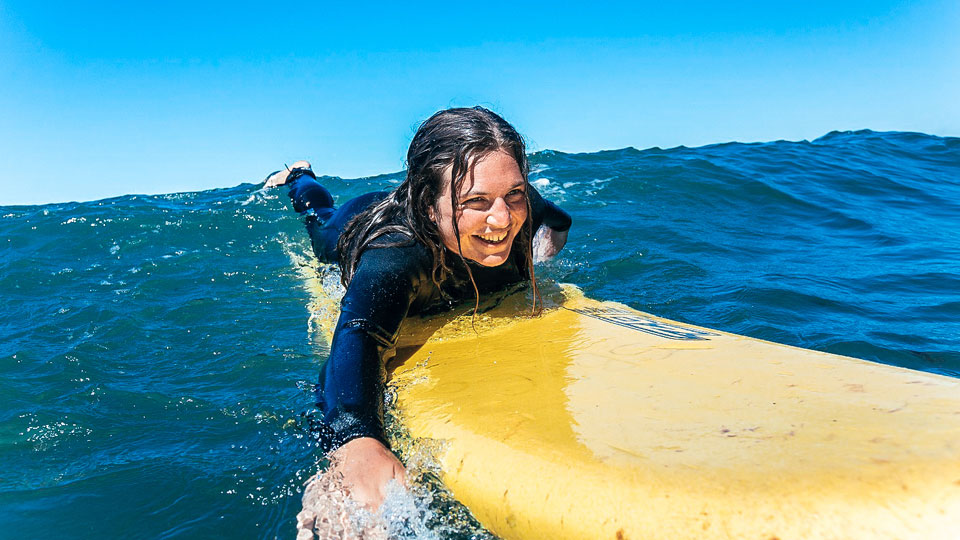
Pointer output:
492, 209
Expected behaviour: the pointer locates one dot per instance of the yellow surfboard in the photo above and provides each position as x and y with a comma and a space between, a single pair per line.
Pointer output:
594, 420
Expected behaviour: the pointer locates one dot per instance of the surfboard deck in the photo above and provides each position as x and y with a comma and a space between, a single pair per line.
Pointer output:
594, 420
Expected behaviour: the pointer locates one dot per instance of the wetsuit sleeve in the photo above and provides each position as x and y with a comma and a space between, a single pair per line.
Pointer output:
350, 393
306, 193
547, 213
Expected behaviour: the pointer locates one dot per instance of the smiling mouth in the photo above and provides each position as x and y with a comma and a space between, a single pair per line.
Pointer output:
493, 239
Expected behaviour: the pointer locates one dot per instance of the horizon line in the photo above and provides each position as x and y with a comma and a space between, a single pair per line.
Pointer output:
529, 154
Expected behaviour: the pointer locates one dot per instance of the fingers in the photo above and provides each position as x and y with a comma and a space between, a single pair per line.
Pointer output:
302, 164
305, 534
306, 520
279, 178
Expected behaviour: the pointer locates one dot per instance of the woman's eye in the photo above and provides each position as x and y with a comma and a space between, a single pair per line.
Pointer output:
516, 195
475, 202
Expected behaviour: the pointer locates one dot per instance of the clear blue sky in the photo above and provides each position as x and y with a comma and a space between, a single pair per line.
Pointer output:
107, 98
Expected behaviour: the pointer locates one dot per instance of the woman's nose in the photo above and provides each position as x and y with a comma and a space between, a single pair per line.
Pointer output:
499, 214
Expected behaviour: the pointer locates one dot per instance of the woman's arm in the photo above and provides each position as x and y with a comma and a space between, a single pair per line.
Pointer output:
350, 393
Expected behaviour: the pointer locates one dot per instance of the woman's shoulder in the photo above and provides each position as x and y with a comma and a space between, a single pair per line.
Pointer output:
547, 213
393, 271
396, 251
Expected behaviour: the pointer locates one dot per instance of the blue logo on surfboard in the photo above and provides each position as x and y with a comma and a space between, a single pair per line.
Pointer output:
635, 321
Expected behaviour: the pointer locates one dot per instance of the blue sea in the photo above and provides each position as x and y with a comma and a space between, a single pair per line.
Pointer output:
156, 362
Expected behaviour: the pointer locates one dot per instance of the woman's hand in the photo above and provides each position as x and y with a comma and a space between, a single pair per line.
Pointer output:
279, 178
359, 470
547, 243
366, 466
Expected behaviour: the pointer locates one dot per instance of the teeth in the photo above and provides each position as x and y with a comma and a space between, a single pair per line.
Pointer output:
493, 238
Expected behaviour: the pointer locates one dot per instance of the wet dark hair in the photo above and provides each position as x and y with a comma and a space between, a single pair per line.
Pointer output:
454, 138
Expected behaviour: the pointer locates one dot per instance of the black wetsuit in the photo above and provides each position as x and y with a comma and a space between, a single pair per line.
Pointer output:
390, 283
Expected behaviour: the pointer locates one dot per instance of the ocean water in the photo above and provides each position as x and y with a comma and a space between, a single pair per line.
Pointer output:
156, 360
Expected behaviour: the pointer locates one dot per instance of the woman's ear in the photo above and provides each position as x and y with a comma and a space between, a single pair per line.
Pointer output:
431, 214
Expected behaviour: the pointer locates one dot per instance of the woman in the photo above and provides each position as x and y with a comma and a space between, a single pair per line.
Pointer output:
461, 224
